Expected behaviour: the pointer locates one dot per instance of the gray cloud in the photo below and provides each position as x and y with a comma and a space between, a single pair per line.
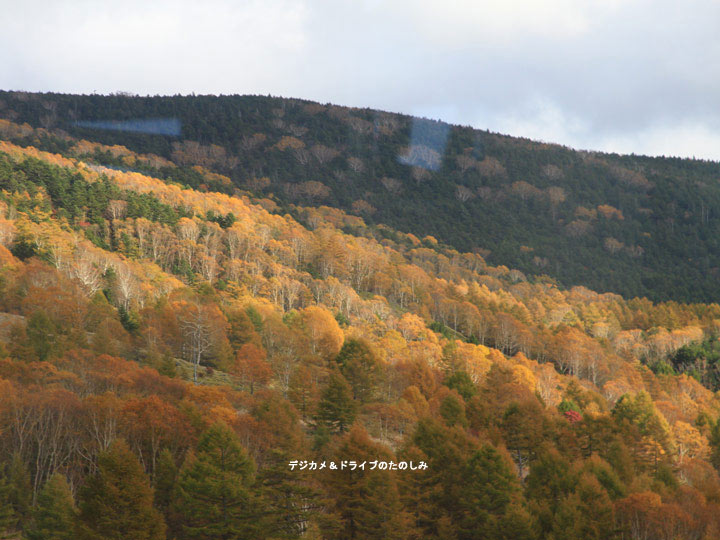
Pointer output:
618, 75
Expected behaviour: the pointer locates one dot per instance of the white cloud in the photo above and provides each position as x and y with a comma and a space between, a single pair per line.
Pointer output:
540, 120
606, 74
683, 140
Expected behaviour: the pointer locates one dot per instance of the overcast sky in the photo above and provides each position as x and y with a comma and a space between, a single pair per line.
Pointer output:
638, 76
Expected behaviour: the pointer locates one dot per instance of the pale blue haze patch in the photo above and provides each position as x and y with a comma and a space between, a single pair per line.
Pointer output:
152, 126
428, 140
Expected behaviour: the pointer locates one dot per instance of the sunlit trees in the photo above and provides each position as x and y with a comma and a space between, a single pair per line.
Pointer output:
85, 268
325, 336
508, 333
251, 366
305, 334
203, 327
149, 424
576, 353
689, 442
647, 428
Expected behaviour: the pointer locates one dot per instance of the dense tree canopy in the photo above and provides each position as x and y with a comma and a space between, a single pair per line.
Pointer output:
166, 353
632, 225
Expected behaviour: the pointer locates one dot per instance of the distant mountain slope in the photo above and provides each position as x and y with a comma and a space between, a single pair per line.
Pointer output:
632, 225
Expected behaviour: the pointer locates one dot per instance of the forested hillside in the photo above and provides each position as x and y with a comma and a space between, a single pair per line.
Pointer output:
631, 225
168, 352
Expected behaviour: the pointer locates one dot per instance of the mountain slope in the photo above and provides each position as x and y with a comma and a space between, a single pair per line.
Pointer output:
201, 344
632, 225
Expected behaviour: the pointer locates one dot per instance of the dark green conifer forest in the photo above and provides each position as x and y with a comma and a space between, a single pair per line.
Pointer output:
632, 225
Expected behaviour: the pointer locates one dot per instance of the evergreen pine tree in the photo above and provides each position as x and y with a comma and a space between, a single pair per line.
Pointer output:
433, 496
117, 503
166, 473
8, 518
165, 477
55, 513
715, 446
289, 497
361, 368
452, 410
377, 508
20, 493
550, 482
366, 501
336, 409
490, 487
212, 496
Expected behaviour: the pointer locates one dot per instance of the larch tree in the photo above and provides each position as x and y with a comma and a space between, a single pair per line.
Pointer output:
336, 409
361, 367
212, 494
55, 513
291, 497
550, 482
492, 499
21, 492
365, 501
117, 502
8, 517
303, 389
715, 446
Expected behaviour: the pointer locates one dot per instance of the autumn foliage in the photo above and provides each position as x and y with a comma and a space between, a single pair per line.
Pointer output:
162, 363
